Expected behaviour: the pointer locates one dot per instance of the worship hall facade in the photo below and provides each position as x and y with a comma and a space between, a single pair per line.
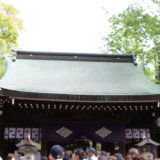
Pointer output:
73, 98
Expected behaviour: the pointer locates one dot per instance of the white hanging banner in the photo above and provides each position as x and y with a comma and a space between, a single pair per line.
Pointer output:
128, 133
35, 133
27, 131
19, 133
136, 133
6, 133
148, 135
142, 133
12, 132
22, 133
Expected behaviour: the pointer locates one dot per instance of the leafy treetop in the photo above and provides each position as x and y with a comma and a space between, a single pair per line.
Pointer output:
134, 31
10, 26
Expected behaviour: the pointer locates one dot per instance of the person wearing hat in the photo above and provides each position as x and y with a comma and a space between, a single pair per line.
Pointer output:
21, 155
92, 154
104, 155
133, 152
119, 156
56, 153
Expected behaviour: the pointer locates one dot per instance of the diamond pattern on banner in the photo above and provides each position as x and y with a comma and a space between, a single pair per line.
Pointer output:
6, 133
148, 133
142, 133
103, 132
26, 132
128, 132
35, 133
136, 133
64, 132
19, 133
12, 132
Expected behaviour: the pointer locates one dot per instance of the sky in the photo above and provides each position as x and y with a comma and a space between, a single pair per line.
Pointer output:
65, 25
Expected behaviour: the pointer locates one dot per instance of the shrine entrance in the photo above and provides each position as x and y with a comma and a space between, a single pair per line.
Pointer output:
106, 136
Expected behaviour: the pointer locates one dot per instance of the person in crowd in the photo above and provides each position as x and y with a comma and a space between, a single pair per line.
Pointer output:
119, 156
91, 154
104, 155
21, 155
132, 153
44, 158
1, 158
138, 158
10, 156
86, 154
112, 157
78, 154
66, 155
108, 154
56, 152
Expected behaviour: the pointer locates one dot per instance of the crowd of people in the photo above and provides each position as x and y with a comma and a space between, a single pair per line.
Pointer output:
57, 153
20, 156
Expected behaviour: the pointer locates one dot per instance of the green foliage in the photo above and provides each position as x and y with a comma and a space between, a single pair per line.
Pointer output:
2, 66
10, 26
136, 32
156, 1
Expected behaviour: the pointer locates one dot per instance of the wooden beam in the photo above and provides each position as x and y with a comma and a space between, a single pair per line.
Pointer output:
81, 101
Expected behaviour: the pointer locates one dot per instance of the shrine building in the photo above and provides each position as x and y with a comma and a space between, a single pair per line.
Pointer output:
73, 98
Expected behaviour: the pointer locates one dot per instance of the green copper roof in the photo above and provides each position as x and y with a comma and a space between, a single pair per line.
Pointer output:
77, 77
69, 77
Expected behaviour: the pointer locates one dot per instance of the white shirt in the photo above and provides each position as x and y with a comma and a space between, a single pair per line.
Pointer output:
93, 158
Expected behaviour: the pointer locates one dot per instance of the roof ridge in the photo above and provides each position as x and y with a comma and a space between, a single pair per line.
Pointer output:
37, 55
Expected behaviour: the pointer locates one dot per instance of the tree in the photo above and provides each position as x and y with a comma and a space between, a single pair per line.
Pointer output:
156, 2
10, 26
136, 31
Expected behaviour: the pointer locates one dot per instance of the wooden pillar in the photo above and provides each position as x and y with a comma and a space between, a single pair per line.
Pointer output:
156, 132
122, 148
44, 149
1, 131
